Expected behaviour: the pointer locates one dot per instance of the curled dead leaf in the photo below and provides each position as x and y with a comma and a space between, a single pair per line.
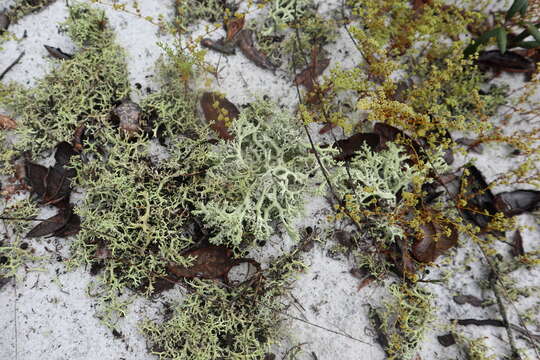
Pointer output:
128, 116
247, 46
7, 123
233, 26
57, 53
433, 240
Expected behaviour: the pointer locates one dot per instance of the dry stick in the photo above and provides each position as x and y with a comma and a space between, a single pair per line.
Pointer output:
291, 349
11, 65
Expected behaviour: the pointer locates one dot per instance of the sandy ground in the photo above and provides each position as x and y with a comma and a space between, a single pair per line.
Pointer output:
46, 313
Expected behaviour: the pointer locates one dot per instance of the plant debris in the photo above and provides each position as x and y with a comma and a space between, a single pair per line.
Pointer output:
468, 299
517, 244
479, 198
57, 53
517, 202
128, 117
7, 123
434, 240
247, 46
219, 113
446, 340
52, 225
509, 62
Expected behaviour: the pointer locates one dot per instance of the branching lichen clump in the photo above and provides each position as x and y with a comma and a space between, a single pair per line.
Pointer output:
80, 90
259, 178
226, 322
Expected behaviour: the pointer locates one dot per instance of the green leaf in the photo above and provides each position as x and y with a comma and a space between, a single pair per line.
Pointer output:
502, 40
528, 44
518, 5
483, 39
533, 31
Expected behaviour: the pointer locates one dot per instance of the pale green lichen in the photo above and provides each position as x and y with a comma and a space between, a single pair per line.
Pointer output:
226, 322
282, 12
83, 89
260, 177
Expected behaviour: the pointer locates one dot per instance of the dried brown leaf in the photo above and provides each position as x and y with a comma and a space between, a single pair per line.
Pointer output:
57, 53
517, 202
218, 112
432, 241
7, 123
51, 225
209, 263
247, 46
35, 177
234, 26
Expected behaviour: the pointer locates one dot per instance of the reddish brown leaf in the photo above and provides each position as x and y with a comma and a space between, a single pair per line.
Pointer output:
51, 225
4, 22
247, 46
233, 26
309, 74
219, 111
365, 282
517, 202
35, 176
418, 4
210, 263
432, 241
58, 187
78, 137
7, 123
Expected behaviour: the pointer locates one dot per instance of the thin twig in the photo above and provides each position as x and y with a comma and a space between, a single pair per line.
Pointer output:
11, 65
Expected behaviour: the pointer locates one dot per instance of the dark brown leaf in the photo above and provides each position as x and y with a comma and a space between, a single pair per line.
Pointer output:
446, 340
407, 264
468, 299
210, 263
36, 176
58, 187
4, 22
225, 47
472, 145
480, 322
517, 244
218, 112
72, 227
433, 241
128, 116
57, 53
509, 62
7, 123
51, 225
63, 154
247, 46
308, 75
389, 133
354, 143
517, 202
478, 197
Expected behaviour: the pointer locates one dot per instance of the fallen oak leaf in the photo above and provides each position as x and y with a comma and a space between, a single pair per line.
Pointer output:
478, 197
219, 112
57, 53
7, 123
35, 176
468, 299
246, 44
307, 76
350, 146
211, 262
517, 245
509, 62
233, 26
51, 225
58, 187
63, 154
72, 227
517, 202
433, 240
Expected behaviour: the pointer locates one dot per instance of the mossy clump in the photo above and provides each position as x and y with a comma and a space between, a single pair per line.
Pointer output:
188, 12
81, 90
